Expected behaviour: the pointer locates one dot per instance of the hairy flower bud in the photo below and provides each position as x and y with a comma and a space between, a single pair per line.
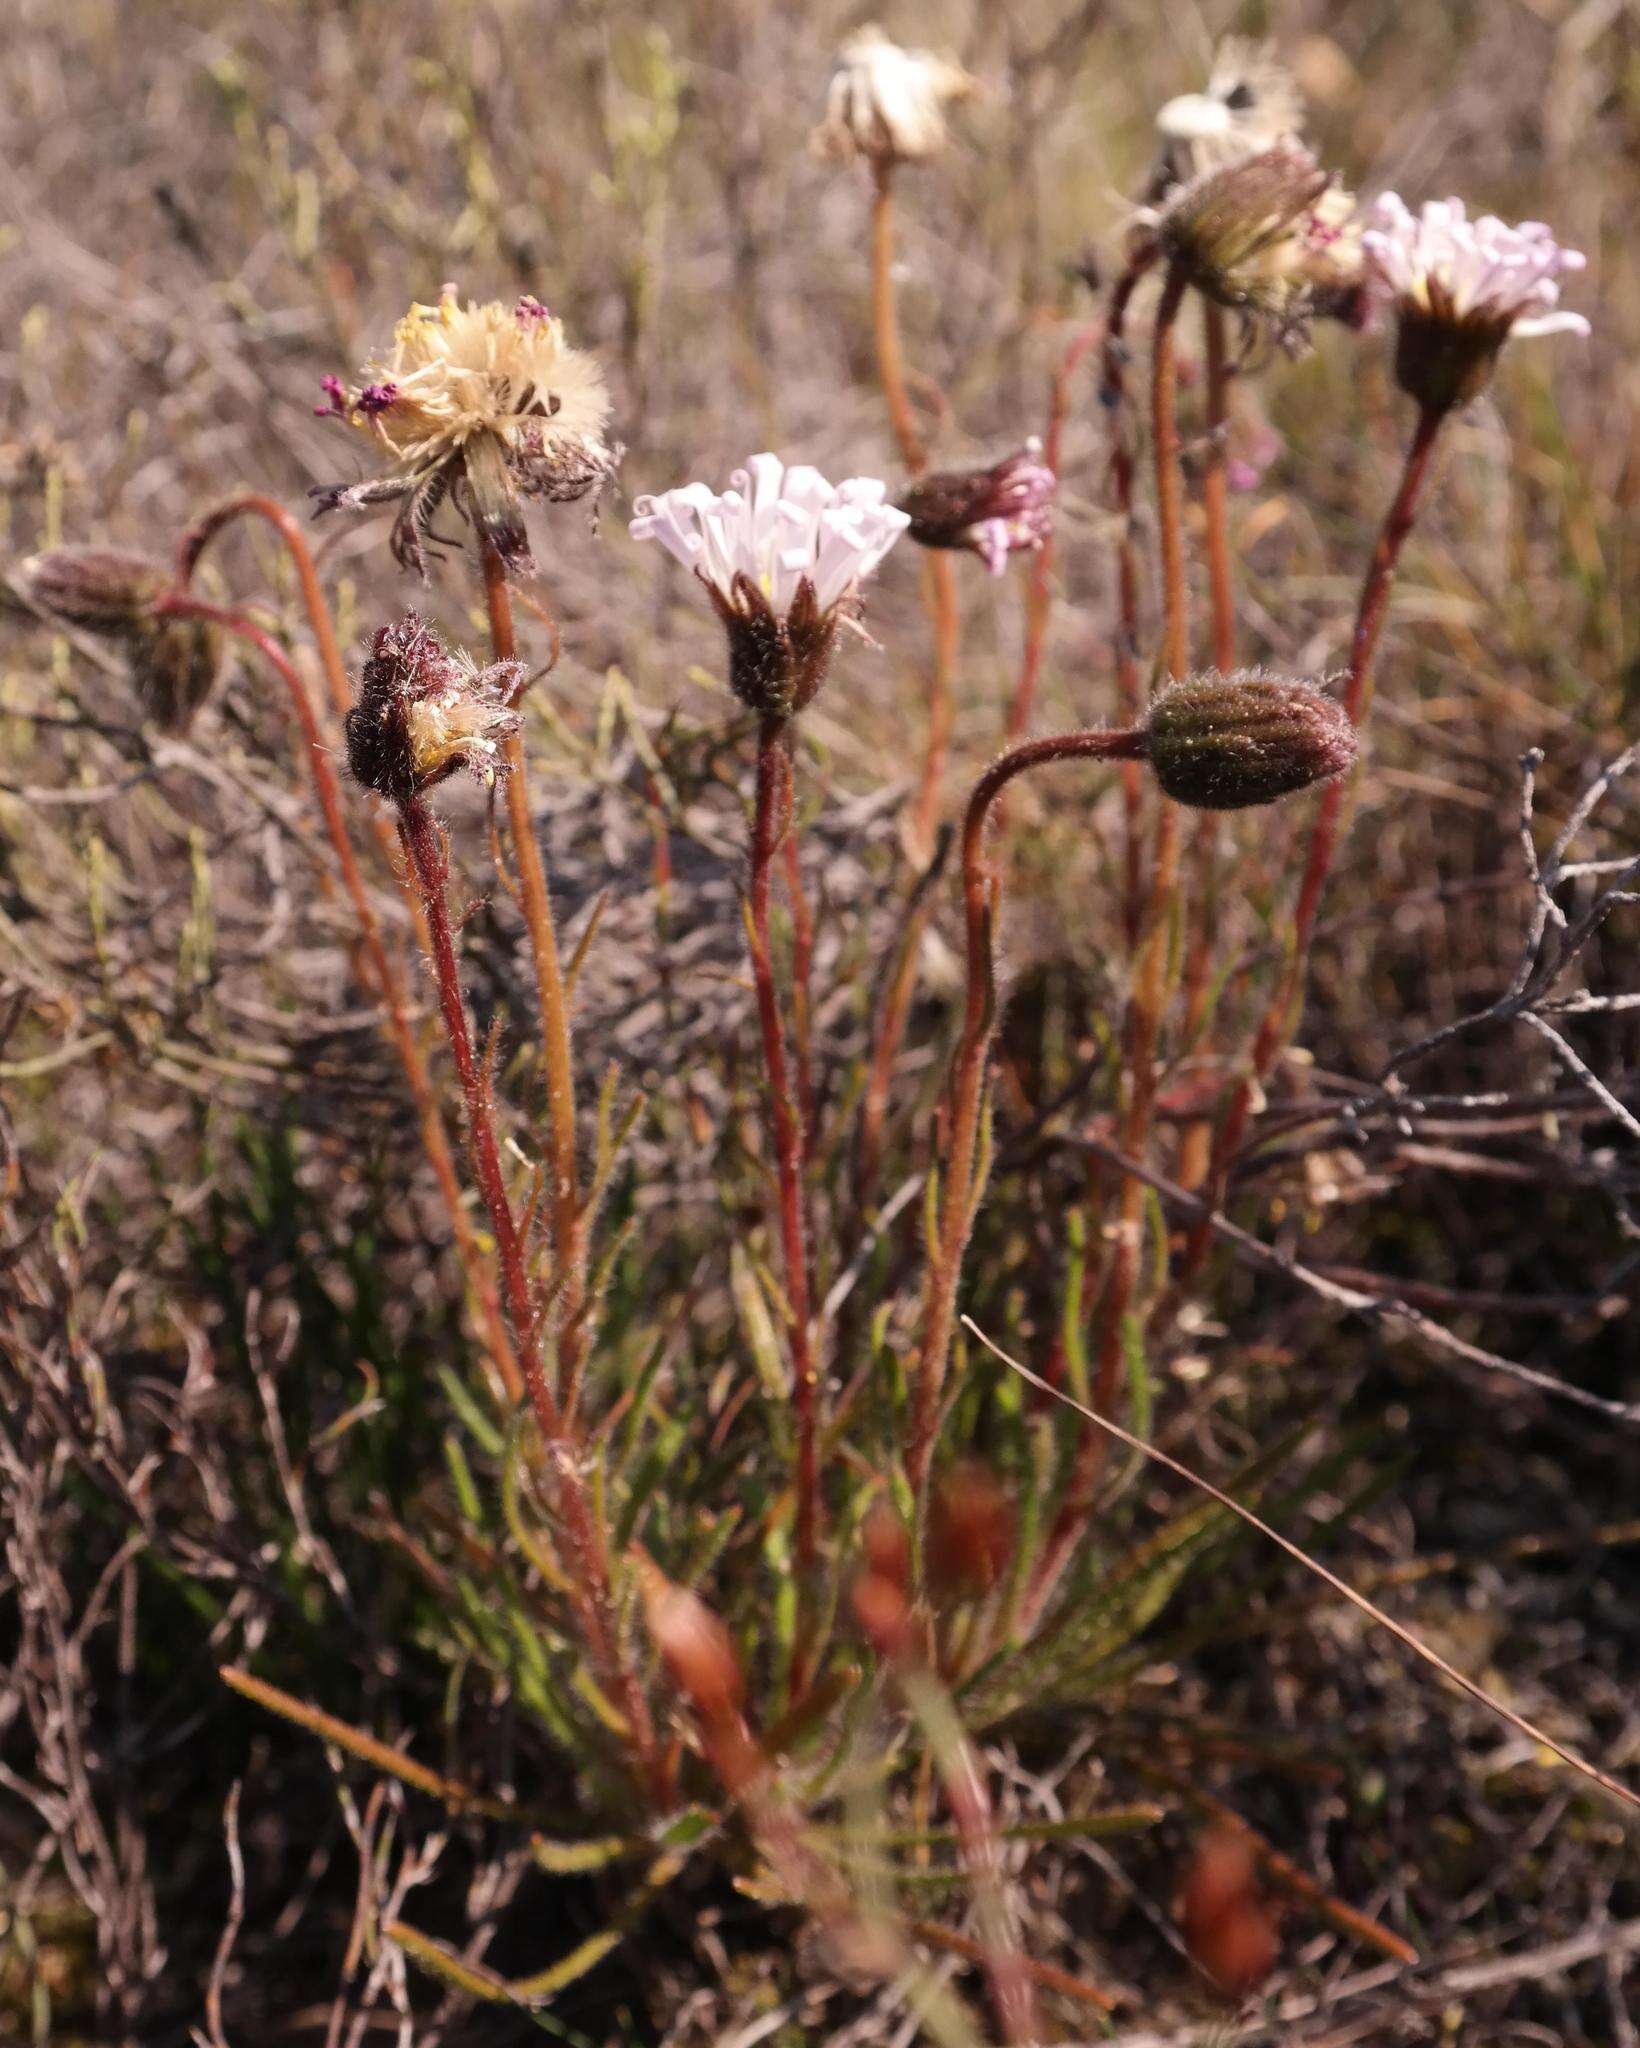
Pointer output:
994, 512
424, 713
100, 590
1238, 234
172, 662
1228, 743
1228, 1929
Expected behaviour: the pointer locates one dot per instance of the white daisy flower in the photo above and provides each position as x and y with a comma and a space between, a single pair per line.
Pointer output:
782, 553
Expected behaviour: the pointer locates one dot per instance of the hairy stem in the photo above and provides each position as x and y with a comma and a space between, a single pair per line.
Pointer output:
568, 1236
389, 985
1149, 995
1280, 1013
959, 1192
785, 1128
587, 1549
1207, 831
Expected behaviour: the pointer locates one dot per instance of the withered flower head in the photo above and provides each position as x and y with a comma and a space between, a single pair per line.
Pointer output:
782, 554
1228, 743
994, 512
1250, 103
887, 104
424, 713
485, 405
1460, 288
172, 662
1241, 235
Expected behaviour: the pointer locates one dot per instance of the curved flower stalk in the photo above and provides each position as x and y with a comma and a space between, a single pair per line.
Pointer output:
782, 555
887, 104
1004, 510
1221, 742
172, 660
484, 406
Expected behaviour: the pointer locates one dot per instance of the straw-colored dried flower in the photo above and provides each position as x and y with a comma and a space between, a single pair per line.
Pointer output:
888, 104
485, 405
1250, 103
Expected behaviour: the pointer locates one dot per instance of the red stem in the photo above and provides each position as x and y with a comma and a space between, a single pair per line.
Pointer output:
786, 1131
1276, 1024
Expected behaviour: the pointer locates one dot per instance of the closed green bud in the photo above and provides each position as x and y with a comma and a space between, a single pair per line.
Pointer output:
1228, 743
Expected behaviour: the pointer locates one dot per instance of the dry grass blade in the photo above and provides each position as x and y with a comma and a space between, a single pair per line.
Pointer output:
1518, 1722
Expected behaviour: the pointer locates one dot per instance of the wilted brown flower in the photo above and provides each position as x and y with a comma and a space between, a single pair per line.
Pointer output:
992, 512
1230, 743
1239, 235
424, 713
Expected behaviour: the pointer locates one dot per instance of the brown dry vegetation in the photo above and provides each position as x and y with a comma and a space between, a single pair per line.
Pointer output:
229, 1321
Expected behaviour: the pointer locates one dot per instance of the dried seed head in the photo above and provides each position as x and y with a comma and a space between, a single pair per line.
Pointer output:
887, 104
695, 1647
484, 405
424, 713
1239, 234
993, 512
172, 663
970, 1533
1229, 743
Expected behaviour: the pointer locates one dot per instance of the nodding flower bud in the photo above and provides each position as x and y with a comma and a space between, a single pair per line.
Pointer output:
424, 713
100, 590
970, 1533
1229, 743
172, 662
1239, 234
994, 512
695, 1647
1228, 1929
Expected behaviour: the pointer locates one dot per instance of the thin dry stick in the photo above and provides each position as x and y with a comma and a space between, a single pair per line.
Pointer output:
960, 1192
589, 1564
388, 984
1279, 1015
1207, 832
564, 1198
785, 1129
1150, 974
1404, 1635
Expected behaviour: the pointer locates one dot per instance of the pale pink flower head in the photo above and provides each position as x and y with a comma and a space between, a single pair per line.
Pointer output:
782, 554
1460, 288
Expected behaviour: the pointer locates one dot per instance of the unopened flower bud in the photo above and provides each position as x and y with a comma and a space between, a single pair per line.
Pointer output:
424, 713
970, 1533
884, 1615
993, 512
172, 662
100, 590
695, 1647
1228, 743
